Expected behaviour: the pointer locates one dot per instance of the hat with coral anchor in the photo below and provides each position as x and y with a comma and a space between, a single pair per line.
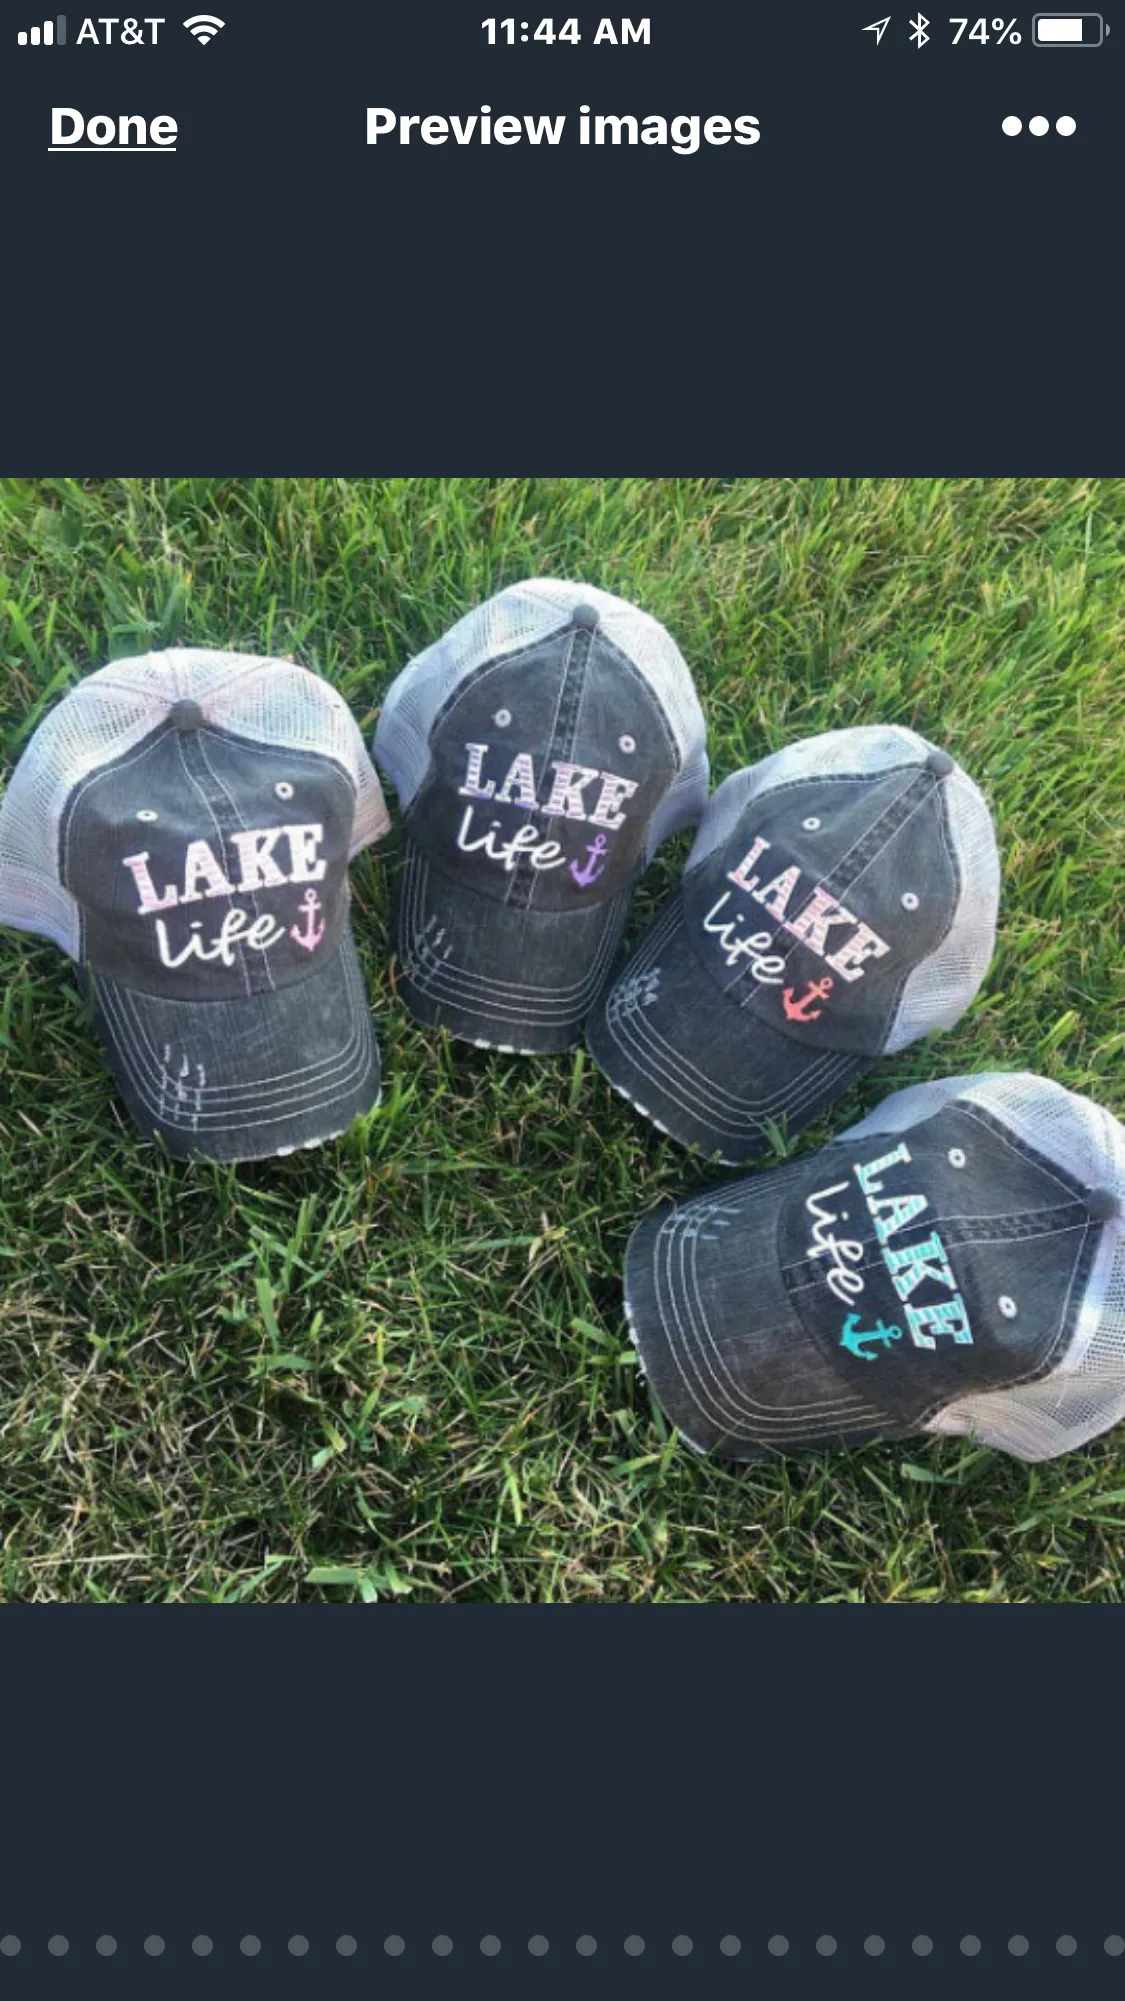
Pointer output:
839, 901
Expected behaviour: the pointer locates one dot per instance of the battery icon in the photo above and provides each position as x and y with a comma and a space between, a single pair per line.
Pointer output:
1068, 31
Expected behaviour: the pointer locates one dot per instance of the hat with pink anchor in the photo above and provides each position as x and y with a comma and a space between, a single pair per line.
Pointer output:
181, 824
839, 901
542, 750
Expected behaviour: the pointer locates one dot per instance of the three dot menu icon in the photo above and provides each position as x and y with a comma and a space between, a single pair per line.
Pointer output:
47, 36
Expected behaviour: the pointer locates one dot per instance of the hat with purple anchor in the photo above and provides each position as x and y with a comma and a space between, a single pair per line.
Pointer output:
181, 825
839, 901
541, 750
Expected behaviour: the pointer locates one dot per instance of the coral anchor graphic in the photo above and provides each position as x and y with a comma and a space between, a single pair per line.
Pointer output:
590, 872
313, 932
803, 1009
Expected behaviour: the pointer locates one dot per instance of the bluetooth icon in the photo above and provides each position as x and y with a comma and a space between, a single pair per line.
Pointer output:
918, 31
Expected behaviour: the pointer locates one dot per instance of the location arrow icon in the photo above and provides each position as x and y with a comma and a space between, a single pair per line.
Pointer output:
878, 28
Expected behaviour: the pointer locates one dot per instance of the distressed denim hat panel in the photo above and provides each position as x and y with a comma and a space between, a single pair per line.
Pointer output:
840, 900
181, 825
955, 1263
541, 750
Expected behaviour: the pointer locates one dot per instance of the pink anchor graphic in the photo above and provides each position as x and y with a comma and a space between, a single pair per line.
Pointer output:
802, 1009
584, 876
313, 932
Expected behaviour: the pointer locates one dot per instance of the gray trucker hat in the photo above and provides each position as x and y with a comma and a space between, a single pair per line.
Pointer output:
541, 750
181, 825
839, 901
953, 1263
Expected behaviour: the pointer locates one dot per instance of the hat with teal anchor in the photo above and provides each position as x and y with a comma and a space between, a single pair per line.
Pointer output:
953, 1263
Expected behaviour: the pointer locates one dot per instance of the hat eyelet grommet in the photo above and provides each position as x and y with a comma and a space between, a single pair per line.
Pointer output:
811, 825
283, 789
502, 718
147, 813
909, 900
955, 1157
627, 744
1007, 1306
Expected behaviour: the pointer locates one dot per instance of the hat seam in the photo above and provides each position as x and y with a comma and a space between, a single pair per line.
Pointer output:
1043, 1369
478, 674
1022, 1149
514, 896
230, 902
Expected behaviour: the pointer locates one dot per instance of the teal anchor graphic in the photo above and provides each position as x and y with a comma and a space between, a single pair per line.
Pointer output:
591, 872
853, 1336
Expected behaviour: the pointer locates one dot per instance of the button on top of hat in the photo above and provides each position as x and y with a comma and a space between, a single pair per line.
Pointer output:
585, 616
940, 763
1103, 1205
186, 716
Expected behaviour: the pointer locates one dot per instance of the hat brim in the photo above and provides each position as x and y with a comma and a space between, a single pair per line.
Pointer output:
693, 1062
720, 1342
242, 1080
502, 977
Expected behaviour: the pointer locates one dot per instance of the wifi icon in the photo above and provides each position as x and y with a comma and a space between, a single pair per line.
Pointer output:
204, 27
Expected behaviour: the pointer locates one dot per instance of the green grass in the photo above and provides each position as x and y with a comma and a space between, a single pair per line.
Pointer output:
398, 1366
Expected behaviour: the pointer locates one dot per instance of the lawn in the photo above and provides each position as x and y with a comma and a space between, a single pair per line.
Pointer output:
397, 1367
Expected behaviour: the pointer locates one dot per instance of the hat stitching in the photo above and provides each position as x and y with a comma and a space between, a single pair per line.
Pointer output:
428, 978
735, 1408
109, 997
128, 1035
635, 1036
459, 978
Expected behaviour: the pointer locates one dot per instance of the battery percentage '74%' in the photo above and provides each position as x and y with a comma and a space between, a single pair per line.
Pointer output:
1004, 31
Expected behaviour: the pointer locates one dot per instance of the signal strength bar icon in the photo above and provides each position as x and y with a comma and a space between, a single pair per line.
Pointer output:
47, 36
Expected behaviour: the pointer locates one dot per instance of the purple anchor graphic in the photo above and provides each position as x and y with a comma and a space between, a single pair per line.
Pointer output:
313, 932
584, 876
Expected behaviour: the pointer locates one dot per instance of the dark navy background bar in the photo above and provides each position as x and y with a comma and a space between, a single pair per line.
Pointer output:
760, 1796
885, 283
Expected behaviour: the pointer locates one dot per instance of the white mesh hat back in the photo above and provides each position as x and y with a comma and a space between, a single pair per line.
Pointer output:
267, 701
939, 989
516, 618
1084, 1394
